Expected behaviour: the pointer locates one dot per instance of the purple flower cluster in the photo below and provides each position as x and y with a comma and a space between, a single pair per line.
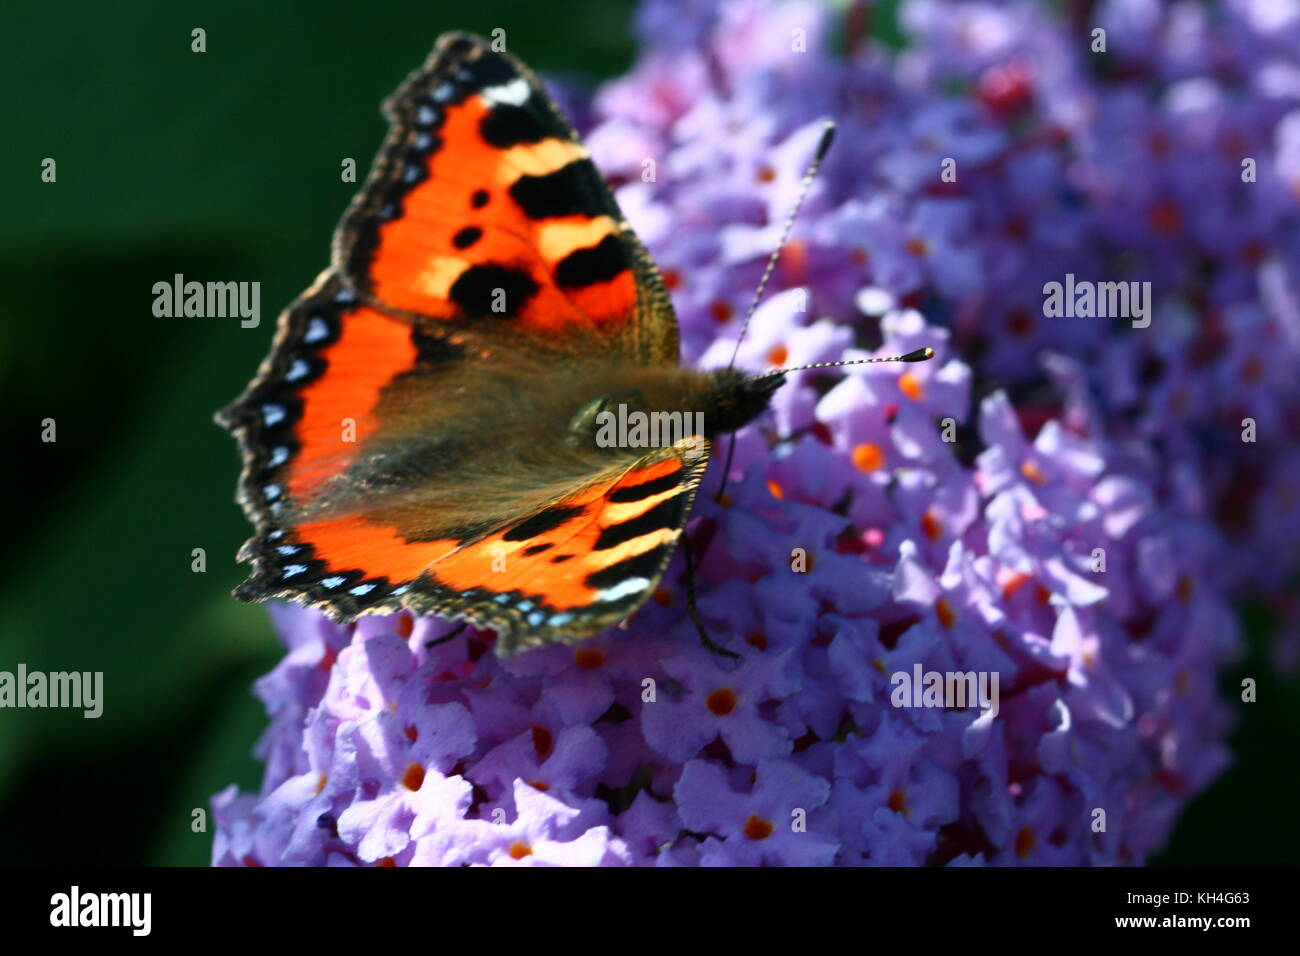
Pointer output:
1065, 503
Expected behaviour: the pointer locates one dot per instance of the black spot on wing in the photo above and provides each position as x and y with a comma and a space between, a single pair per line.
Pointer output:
571, 190
533, 549
600, 263
476, 291
666, 514
646, 489
644, 565
467, 237
479, 199
507, 125
540, 523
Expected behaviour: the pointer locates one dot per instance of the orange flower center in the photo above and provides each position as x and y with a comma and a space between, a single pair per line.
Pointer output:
1025, 842
1019, 323
1165, 218
947, 616
722, 701
1033, 473
542, 742
588, 658
868, 457
911, 386
413, 779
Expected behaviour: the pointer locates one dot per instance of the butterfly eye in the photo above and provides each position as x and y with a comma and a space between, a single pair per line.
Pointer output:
586, 424
583, 425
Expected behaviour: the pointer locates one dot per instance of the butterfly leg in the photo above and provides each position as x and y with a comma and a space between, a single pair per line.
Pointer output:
726, 469
690, 602
446, 637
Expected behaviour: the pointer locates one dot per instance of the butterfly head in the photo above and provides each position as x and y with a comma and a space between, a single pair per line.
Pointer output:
736, 399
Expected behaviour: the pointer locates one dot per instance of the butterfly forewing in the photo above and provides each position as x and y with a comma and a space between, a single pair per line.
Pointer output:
483, 208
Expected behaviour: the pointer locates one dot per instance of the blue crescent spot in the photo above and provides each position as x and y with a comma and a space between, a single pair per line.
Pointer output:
316, 330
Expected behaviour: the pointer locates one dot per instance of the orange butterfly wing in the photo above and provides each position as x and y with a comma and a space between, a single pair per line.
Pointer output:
483, 224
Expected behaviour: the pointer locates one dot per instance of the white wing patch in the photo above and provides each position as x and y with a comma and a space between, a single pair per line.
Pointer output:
514, 93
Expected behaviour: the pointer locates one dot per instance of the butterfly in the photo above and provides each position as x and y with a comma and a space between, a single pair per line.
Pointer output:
426, 432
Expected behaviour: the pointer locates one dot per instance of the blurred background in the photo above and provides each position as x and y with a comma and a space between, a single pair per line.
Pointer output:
225, 166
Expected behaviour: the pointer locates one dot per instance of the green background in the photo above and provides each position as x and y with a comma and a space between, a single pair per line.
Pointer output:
225, 166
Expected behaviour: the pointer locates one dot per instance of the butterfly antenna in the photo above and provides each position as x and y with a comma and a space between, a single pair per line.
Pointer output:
919, 355
823, 147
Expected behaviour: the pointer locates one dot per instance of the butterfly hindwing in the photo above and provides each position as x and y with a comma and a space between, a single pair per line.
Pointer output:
484, 211
580, 565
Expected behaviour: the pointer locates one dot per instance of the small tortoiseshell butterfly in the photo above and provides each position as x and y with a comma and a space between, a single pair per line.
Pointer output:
423, 434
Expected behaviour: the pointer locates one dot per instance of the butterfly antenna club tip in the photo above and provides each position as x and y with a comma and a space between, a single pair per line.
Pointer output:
824, 144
